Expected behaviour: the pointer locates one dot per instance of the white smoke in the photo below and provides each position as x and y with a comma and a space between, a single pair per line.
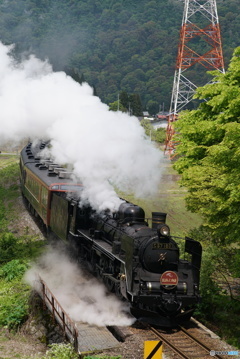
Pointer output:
105, 149
83, 298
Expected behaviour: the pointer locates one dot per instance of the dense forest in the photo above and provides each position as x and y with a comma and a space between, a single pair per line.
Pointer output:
120, 45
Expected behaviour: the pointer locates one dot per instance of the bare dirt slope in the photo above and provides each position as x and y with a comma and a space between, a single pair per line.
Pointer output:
18, 345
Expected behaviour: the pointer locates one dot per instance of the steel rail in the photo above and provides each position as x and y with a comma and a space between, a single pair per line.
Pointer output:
179, 351
204, 346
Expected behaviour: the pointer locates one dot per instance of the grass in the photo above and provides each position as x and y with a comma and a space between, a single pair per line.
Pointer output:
170, 200
13, 302
15, 251
6, 160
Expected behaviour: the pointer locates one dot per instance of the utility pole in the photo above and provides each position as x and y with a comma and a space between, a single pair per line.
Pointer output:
200, 44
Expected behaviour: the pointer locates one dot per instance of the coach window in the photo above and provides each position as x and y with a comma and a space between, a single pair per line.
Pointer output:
35, 188
24, 174
44, 196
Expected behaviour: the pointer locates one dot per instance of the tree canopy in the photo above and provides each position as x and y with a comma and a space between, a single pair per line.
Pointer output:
114, 45
210, 153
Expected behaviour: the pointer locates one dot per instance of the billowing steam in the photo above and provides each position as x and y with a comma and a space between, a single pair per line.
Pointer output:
84, 299
105, 149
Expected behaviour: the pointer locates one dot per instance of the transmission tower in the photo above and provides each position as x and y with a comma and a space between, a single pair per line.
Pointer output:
200, 44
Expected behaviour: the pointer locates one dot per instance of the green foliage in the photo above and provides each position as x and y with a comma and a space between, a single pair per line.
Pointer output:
158, 135
9, 191
115, 45
124, 99
13, 269
8, 247
135, 105
66, 351
209, 289
220, 304
209, 165
9, 176
128, 103
117, 106
15, 253
12, 247
209, 151
149, 130
16, 315
13, 302
61, 351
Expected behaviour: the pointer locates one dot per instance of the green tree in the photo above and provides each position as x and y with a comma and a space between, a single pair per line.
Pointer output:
209, 153
147, 127
123, 41
136, 105
116, 106
158, 135
73, 72
124, 99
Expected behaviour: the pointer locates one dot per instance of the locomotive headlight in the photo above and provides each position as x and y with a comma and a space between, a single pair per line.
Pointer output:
163, 230
182, 287
149, 286
152, 286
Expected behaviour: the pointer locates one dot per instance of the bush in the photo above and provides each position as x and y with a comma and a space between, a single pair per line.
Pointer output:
219, 308
14, 297
17, 315
61, 351
160, 135
12, 247
8, 247
13, 269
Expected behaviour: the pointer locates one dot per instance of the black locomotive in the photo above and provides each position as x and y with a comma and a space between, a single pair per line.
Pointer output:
137, 262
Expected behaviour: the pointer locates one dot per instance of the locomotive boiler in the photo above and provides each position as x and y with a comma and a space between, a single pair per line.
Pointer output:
137, 258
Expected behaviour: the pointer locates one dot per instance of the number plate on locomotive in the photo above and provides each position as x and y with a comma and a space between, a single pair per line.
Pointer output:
158, 245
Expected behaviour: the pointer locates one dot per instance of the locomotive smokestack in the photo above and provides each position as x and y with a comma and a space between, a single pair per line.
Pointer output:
158, 218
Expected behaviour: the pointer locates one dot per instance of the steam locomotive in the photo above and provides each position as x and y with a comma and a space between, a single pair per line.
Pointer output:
137, 262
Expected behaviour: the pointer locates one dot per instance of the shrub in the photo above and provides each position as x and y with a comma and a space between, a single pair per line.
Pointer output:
13, 302
8, 247
61, 351
17, 315
13, 269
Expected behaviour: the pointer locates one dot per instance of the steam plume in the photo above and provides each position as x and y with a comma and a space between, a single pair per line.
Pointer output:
105, 149
82, 297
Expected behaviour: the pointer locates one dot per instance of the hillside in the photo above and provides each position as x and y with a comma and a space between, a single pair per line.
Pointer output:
114, 45
30, 338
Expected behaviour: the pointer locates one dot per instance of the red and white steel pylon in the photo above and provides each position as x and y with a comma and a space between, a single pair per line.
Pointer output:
203, 12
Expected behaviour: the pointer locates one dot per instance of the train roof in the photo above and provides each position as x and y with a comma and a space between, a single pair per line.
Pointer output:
45, 169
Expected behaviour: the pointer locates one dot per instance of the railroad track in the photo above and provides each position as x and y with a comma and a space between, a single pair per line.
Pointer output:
185, 345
